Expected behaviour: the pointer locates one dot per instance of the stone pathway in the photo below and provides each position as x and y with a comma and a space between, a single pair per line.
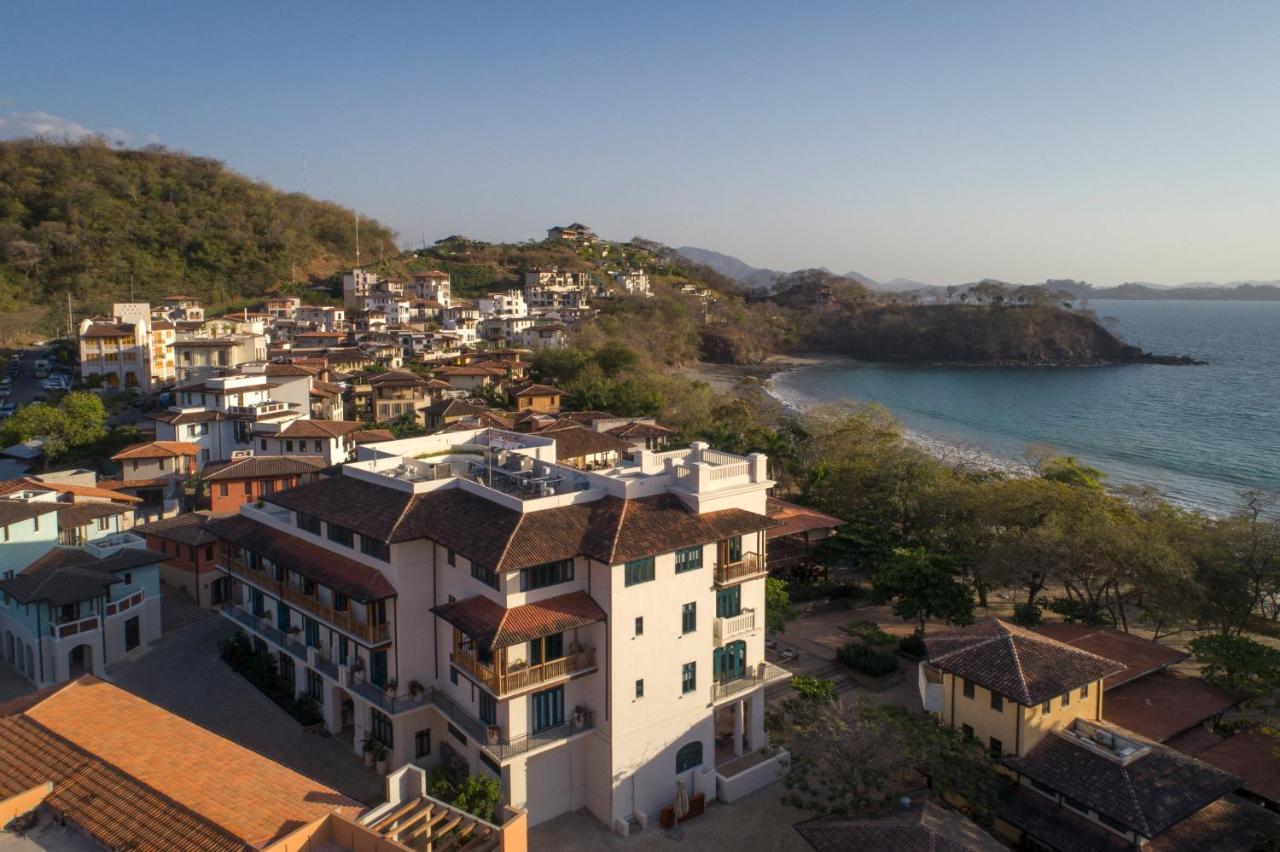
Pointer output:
177, 610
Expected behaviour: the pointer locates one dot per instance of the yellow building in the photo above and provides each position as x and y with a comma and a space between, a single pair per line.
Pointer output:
1007, 686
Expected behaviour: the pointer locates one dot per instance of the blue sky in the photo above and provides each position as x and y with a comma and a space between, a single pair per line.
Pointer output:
937, 141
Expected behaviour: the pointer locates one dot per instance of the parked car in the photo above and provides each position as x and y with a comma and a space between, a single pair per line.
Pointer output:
7, 409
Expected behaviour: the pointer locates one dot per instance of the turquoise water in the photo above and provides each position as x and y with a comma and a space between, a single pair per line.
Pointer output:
1199, 434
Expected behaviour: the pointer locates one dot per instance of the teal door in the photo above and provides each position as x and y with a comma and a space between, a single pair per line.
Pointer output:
729, 602
730, 662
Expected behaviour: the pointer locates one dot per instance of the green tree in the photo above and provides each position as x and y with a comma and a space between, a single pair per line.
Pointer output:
777, 604
1238, 664
923, 586
86, 418
478, 795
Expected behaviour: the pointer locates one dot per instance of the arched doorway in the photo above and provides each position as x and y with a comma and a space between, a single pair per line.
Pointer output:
80, 661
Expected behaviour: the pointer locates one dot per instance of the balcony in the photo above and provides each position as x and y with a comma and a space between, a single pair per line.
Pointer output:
504, 683
501, 748
73, 628
124, 604
735, 626
262, 626
761, 674
749, 567
371, 634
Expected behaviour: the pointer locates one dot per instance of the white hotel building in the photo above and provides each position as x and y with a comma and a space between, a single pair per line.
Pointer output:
588, 638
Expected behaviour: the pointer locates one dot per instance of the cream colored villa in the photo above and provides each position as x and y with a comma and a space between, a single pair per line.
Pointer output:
588, 638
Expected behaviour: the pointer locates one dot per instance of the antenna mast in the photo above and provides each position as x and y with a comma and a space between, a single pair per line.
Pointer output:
357, 241
71, 331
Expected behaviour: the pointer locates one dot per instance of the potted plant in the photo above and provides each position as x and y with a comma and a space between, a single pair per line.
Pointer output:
390, 687
492, 735
579, 716
369, 745
416, 689
380, 757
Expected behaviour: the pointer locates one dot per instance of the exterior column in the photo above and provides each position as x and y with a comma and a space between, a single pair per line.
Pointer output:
758, 739
360, 714
739, 708
332, 709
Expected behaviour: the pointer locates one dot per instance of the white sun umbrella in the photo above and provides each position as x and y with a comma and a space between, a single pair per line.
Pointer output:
682, 801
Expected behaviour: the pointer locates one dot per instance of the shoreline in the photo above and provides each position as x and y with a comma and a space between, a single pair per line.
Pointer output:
726, 378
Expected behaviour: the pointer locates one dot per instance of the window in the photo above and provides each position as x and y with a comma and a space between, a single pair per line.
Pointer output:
688, 678
689, 617
135, 464
380, 727
997, 702
968, 688
339, 601
545, 649
450, 557
541, 576
488, 708
315, 687
1066, 698
729, 602
639, 625
1047, 707
204, 455
453, 676
222, 489
287, 670
688, 559
377, 549
340, 535
248, 488
689, 756
640, 688
458, 735
263, 443
1084, 691
639, 571
547, 708
422, 743
288, 446
208, 552
316, 444
310, 523
967, 730
104, 524
997, 749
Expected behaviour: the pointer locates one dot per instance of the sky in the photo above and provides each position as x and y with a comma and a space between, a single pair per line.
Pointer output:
942, 142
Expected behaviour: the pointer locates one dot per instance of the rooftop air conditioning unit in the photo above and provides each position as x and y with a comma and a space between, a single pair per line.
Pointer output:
241, 454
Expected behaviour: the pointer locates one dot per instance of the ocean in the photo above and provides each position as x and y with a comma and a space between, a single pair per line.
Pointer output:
1199, 434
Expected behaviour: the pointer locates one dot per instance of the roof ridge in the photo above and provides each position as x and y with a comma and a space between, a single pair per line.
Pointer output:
617, 530
1133, 798
1017, 664
502, 557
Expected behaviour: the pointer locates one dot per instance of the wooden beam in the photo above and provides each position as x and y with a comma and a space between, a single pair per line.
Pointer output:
381, 825
413, 820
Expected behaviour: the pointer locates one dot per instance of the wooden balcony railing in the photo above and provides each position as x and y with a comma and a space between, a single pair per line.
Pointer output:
115, 607
372, 634
503, 683
746, 568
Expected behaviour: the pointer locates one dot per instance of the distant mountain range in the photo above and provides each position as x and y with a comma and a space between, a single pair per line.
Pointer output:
758, 278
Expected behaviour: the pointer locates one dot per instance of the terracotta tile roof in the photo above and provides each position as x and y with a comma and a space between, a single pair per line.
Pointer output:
494, 626
354, 579
453, 408
576, 442
1055, 824
473, 370
1149, 794
98, 491
287, 370
68, 574
397, 378
793, 519
924, 827
635, 429
158, 450
318, 429
609, 530
1252, 756
257, 467
1228, 825
539, 390
371, 436
128, 484
79, 514
1139, 656
491, 419
17, 511
1019, 664
178, 418
136, 776
1165, 704
109, 330
187, 528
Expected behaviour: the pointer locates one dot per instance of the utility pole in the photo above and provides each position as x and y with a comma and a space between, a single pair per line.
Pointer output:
357, 241
71, 331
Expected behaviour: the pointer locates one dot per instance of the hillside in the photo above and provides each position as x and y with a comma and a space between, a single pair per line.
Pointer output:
99, 221
1243, 291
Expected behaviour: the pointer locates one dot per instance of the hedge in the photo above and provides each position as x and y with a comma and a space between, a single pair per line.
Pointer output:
862, 659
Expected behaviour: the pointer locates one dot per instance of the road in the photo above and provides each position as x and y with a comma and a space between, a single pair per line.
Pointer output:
26, 387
